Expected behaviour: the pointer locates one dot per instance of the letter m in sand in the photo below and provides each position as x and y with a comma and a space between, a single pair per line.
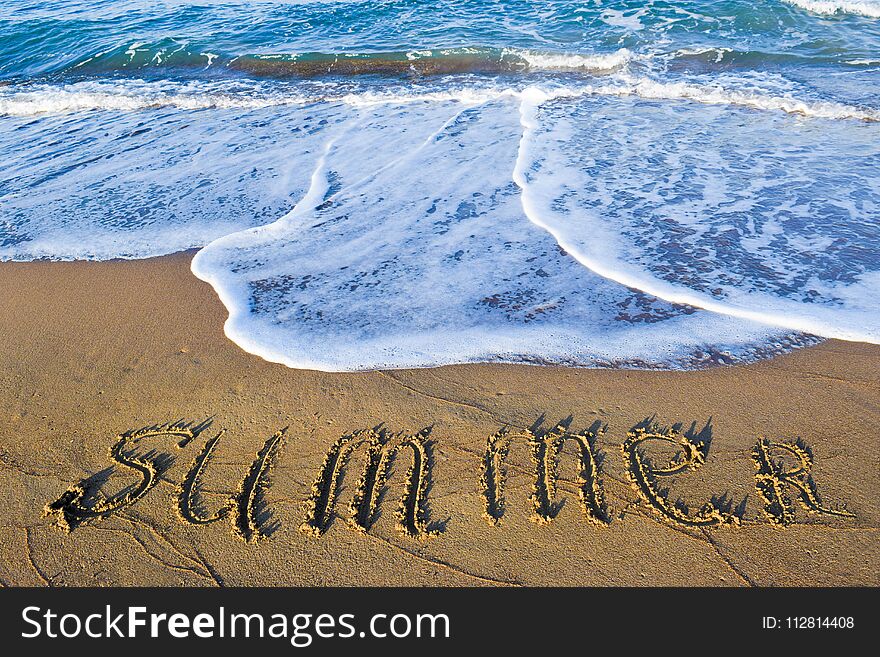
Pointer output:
379, 450
545, 449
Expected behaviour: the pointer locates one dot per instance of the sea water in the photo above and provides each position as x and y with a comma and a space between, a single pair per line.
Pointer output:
658, 184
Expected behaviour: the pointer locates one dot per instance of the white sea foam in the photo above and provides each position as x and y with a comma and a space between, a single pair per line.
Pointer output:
463, 95
129, 185
717, 94
869, 8
681, 234
629, 21
574, 62
428, 220
719, 53
399, 256
135, 95
126, 96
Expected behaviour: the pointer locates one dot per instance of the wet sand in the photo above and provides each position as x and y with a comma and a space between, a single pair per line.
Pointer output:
92, 350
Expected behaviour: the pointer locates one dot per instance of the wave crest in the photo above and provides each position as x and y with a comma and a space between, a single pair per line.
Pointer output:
136, 95
831, 7
719, 95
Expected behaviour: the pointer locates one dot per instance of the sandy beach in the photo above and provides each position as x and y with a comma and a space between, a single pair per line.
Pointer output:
89, 351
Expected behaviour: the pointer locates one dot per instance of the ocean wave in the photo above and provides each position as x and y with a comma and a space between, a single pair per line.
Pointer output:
716, 94
722, 58
678, 233
169, 56
403, 257
708, 53
409, 243
169, 53
463, 95
126, 96
394, 63
831, 7
129, 96
134, 95
545, 61
448, 61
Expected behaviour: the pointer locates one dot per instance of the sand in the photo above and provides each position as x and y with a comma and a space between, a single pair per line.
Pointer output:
89, 351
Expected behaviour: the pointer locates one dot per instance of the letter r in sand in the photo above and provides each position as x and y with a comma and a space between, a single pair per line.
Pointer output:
772, 477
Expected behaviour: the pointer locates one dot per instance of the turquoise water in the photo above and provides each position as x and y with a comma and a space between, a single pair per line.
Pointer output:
160, 39
391, 184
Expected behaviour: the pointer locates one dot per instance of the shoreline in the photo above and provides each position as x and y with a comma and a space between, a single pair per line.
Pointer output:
95, 349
